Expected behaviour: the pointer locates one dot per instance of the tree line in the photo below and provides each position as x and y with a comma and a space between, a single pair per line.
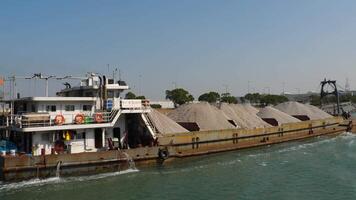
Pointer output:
180, 96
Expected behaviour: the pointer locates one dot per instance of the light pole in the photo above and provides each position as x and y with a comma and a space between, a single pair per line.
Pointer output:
283, 86
226, 88
174, 85
139, 84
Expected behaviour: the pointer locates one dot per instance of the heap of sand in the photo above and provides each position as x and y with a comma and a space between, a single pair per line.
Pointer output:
164, 124
272, 113
249, 108
297, 109
206, 116
243, 115
319, 112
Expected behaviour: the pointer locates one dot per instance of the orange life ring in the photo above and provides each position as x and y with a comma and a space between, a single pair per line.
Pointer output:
59, 120
79, 118
98, 117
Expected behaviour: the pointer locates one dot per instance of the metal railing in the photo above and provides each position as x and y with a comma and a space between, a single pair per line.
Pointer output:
25, 120
21, 121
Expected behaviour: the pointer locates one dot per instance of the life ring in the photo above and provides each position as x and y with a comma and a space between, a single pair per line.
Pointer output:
59, 120
79, 118
163, 154
98, 117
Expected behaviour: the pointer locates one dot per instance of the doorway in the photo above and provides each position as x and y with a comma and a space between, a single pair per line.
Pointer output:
98, 137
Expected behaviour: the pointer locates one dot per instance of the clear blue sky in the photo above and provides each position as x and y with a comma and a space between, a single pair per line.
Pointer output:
199, 45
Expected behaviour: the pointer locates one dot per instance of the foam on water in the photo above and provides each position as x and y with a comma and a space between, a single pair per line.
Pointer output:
295, 147
55, 180
28, 183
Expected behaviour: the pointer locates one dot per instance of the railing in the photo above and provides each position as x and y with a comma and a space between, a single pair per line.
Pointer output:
132, 104
25, 120
43, 120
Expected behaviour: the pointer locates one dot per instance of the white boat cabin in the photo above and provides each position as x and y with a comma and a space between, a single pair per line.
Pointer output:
86, 118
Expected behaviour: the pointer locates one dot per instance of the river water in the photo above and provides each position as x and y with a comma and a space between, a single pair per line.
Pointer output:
320, 168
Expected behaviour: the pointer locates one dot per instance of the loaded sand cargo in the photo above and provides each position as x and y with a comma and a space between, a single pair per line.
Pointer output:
111, 137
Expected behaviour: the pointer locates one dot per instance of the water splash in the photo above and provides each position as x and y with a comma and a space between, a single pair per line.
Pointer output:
28, 183
55, 180
130, 161
58, 169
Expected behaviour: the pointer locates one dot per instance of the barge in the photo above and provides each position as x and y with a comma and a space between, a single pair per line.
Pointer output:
90, 129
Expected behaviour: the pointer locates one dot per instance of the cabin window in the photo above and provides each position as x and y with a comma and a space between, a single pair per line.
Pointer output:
69, 108
80, 136
110, 94
51, 108
45, 137
33, 108
89, 94
87, 107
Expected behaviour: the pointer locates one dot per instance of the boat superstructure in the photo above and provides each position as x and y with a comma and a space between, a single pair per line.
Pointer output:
90, 117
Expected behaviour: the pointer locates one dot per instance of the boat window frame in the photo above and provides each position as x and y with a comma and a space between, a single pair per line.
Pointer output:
51, 108
71, 106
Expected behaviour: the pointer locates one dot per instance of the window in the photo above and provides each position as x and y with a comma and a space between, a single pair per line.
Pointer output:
33, 108
80, 136
51, 108
89, 94
46, 137
69, 108
87, 107
110, 94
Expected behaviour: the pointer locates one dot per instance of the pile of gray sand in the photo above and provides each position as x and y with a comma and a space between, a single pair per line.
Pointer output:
319, 112
206, 116
164, 124
243, 115
272, 113
294, 109
249, 108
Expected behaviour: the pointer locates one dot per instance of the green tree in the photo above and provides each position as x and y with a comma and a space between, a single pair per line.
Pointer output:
156, 106
315, 100
179, 96
272, 99
265, 99
210, 97
140, 97
253, 97
130, 95
227, 98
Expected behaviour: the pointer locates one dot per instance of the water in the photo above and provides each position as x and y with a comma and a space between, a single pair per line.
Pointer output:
321, 168
353, 115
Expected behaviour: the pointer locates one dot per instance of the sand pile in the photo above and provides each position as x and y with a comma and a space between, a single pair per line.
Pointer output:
164, 124
244, 116
206, 116
272, 113
249, 108
319, 112
297, 109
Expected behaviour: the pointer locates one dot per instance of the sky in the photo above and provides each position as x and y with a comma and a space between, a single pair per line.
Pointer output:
200, 45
